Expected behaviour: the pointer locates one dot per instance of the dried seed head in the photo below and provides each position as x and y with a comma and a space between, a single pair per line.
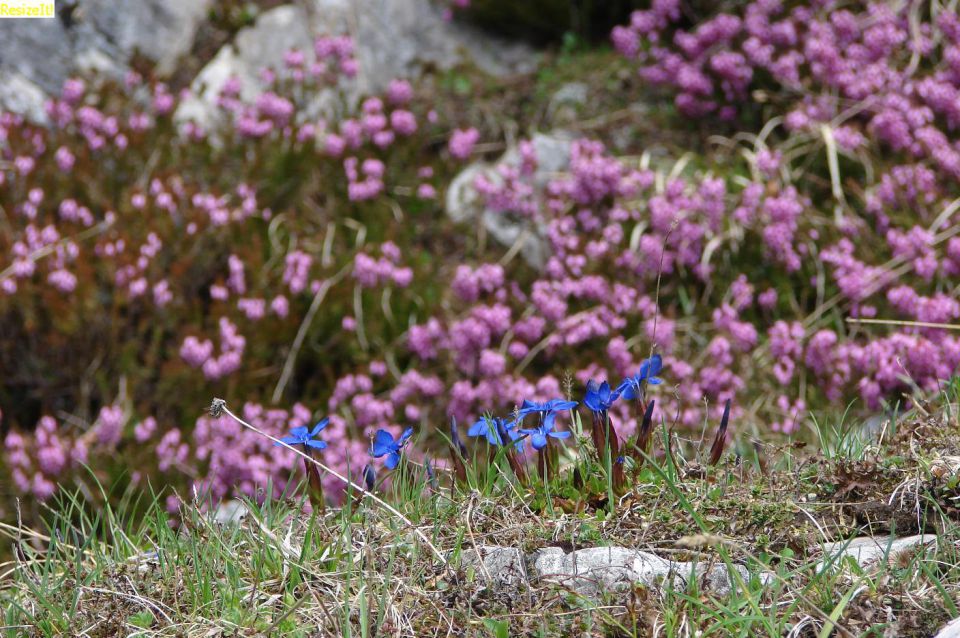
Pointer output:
216, 408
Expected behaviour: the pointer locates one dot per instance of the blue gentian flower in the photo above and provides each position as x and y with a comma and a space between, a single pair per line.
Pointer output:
486, 427
538, 436
553, 405
455, 438
305, 436
632, 387
600, 397
510, 430
369, 476
385, 445
494, 429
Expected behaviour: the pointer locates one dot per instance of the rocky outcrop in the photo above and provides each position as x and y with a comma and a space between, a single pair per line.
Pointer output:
36, 56
394, 38
593, 571
463, 202
405, 38
868, 551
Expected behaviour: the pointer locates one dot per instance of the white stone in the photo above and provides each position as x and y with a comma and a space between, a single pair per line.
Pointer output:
867, 550
595, 570
230, 512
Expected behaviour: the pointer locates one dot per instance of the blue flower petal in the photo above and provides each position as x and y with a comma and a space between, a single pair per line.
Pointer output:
317, 444
392, 460
383, 443
319, 426
656, 365
559, 435
406, 435
630, 391
299, 432
539, 440
479, 428
289, 440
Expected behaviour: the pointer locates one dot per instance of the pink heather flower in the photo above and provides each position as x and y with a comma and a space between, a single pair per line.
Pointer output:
767, 299
492, 363
65, 159
72, 91
63, 280
791, 415
109, 425
220, 293
138, 287
426, 191
403, 122
145, 429
462, 142
236, 281
335, 145
170, 451
195, 352
254, 309
297, 271
399, 92
280, 306
768, 162
24, 164
41, 487
161, 293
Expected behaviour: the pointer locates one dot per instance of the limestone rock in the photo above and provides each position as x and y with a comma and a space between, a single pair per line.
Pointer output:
404, 38
595, 570
951, 630
392, 39
463, 202
868, 551
36, 56
256, 47
504, 565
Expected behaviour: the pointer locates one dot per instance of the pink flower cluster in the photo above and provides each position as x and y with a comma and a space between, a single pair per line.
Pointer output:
370, 272
200, 354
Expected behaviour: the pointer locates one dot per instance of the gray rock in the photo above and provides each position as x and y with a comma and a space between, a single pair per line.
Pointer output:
36, 56
392, 39
259, 46
566, 102
951, 630
463, 202
20, 95
404, 38
503, 565
595, 570
868, 551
